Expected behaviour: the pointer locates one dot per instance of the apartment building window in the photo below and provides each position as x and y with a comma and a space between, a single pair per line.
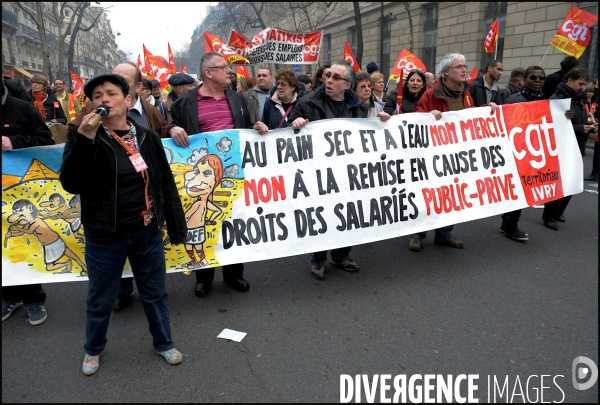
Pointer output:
494, 11
430, 30
353, 40
589, 58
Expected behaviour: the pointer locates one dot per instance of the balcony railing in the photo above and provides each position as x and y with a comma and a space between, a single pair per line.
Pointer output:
498, 11
429, 57
29, 32
430, 25
10, 18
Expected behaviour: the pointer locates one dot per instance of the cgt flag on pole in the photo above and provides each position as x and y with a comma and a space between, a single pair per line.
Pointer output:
218, 45
490, 40
172, 65
472, 75
399, 97
242, 71
77, 86
573, 35
350, 58
405, 62
147, 70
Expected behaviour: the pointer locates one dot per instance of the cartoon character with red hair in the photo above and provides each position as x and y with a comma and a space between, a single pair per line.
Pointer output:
200, 183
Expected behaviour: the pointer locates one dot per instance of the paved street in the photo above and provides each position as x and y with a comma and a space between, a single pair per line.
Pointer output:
498, 308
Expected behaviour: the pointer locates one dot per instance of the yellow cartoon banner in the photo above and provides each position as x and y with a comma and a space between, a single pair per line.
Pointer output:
336, 183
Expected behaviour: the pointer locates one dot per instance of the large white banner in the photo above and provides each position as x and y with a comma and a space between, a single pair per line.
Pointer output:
335, 183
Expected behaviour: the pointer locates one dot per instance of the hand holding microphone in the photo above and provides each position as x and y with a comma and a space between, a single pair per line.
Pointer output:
101, 111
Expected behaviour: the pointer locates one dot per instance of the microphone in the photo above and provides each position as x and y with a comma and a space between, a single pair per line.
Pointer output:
101, 111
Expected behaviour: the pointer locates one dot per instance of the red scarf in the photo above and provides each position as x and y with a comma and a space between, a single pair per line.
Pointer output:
38, 102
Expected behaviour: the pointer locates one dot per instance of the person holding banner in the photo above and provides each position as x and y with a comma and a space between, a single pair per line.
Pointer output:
212, 106
334, 99
451, 93
573, 87
363, 88
127, 192
412, 91
531, 90
23, 127
278, 107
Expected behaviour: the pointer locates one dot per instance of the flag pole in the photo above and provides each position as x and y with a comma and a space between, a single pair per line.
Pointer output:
544, 55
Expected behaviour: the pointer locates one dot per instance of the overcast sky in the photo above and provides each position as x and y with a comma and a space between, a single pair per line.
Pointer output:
155, 25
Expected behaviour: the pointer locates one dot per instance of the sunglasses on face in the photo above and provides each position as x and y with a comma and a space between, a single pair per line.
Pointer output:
417, 71
336, 77
537, 77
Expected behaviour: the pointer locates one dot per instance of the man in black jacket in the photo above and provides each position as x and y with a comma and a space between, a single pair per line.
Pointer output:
220, 108
556, 78
514, 83
334, 99
23, 127
485, 88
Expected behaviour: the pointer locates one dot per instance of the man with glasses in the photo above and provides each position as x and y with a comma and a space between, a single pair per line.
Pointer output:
69, 103
256, 96
531, 90
451, 93
334, 99
212, 107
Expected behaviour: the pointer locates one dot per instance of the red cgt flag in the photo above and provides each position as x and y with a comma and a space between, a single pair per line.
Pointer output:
242, 71
350, 58
172, 65
76, 84
399, 98
218, 45
184, 70
147, 70
405, 62
573, 35
472, 75
490, 41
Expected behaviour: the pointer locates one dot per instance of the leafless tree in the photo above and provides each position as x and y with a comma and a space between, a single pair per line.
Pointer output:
57, 9
77, 28
358, 26
406, 5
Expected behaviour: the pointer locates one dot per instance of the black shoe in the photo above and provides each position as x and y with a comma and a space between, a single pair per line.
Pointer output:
552, 225
122, 302
561, 218
515, 234
591, 177
202, 289
238, 284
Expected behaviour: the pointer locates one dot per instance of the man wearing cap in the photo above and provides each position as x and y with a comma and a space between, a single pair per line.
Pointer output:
180, 83
128, 194
213, 106
372, 68
515, 82
141, 111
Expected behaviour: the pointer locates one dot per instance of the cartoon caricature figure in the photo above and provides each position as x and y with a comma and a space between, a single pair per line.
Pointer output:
56, 209
200, 183
24, 220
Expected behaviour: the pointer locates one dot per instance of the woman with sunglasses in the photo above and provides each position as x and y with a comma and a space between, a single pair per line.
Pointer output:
414, 87
572, 87
533, 81
46, 103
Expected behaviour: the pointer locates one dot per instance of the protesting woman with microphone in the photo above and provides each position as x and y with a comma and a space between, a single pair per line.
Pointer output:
127, 192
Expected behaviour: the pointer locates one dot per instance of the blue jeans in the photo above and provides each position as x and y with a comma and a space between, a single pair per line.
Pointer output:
337, 255
105, 255
442, 233
28, 293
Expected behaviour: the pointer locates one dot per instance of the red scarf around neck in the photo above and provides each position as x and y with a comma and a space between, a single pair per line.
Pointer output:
38, 102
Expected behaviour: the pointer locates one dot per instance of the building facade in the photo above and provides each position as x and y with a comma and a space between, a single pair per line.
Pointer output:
437, 28
94, 52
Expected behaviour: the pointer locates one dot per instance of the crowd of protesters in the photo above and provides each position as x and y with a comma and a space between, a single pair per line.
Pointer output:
222, 100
